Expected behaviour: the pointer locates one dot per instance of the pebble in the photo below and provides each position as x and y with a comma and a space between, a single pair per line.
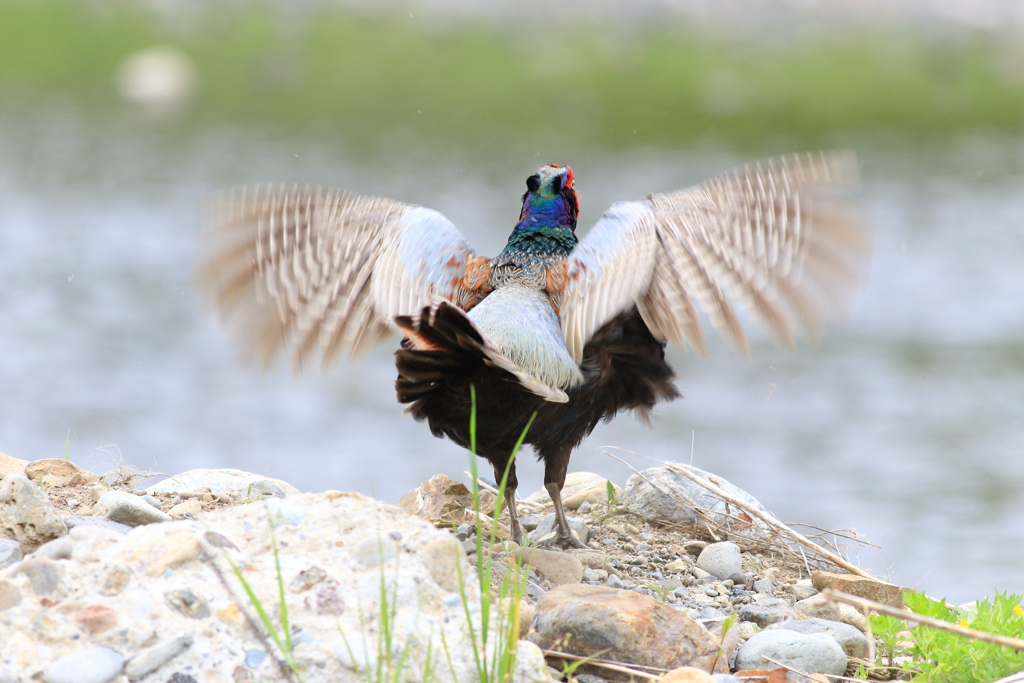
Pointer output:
75, 522
264, 488
10, 552
57, 549
43, 575
595, 615
813, 653
767, 611
58, 472
594, 574
152, 658
95, 665
10, 595
801, 590
721, 559
126, 508
817, 607
738, 579
686, 674
614, 582
557, 567
764, 586
187, 508
694, 547
853, 642
547, 526
26, 515
464, 531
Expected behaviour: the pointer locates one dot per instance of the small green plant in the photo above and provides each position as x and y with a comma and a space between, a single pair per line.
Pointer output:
726, 625
282, 637
940, 656
384, 668
610, 491
889, 633
497, 664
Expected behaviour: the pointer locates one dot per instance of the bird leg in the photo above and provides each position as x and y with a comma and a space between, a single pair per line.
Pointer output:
554, 479
513, 516
511, 484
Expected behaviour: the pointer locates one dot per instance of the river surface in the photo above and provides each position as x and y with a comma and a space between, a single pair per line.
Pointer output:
905, 424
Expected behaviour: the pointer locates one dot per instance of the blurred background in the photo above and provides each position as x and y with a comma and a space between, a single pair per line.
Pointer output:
118, 118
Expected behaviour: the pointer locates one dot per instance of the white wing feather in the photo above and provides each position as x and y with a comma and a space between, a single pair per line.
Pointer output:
323, 270
776, 236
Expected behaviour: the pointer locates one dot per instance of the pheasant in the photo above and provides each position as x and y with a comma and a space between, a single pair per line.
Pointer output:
559, 330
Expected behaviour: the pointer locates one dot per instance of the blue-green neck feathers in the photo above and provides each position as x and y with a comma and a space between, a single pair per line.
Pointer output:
547, 222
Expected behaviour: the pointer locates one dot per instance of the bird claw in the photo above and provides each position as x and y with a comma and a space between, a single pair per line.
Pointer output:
565, 542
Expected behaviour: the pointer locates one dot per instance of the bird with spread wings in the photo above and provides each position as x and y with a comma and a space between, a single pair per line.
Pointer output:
557, 332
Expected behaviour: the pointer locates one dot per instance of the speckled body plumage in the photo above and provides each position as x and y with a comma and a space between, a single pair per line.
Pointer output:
623, 366
572, 330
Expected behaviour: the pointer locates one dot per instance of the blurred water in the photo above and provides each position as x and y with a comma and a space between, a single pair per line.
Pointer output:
904, 424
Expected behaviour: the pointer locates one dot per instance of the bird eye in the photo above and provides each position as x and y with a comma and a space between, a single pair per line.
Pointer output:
556, 185
532, 183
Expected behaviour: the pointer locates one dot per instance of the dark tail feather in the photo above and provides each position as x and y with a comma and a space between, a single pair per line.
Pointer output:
441, 346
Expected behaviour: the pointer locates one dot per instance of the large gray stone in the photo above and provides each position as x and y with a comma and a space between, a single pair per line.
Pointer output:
853, 642
721, 559
26, 515
127, 508
662, 494
814, 653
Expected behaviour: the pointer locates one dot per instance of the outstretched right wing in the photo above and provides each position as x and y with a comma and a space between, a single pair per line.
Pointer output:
317, 269
781, 237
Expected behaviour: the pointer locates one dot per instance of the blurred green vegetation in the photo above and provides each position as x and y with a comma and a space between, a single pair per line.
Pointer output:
362, 78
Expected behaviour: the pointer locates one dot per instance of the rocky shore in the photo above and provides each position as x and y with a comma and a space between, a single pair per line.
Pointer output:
102, 582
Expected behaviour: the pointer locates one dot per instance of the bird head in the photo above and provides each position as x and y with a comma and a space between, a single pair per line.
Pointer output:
552, 187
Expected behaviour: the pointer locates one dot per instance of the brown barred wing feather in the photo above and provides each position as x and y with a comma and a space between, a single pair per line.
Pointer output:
782, 238
318, 271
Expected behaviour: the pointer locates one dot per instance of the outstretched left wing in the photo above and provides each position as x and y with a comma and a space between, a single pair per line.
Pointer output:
315, 269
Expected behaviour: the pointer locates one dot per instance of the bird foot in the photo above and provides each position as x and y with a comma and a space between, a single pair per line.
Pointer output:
570, 542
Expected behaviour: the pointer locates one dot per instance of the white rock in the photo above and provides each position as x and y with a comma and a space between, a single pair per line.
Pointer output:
10, 552
152, 658
127, 508
218, 480
663, 494
330, 553
26, 514
95, 665
721, 559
